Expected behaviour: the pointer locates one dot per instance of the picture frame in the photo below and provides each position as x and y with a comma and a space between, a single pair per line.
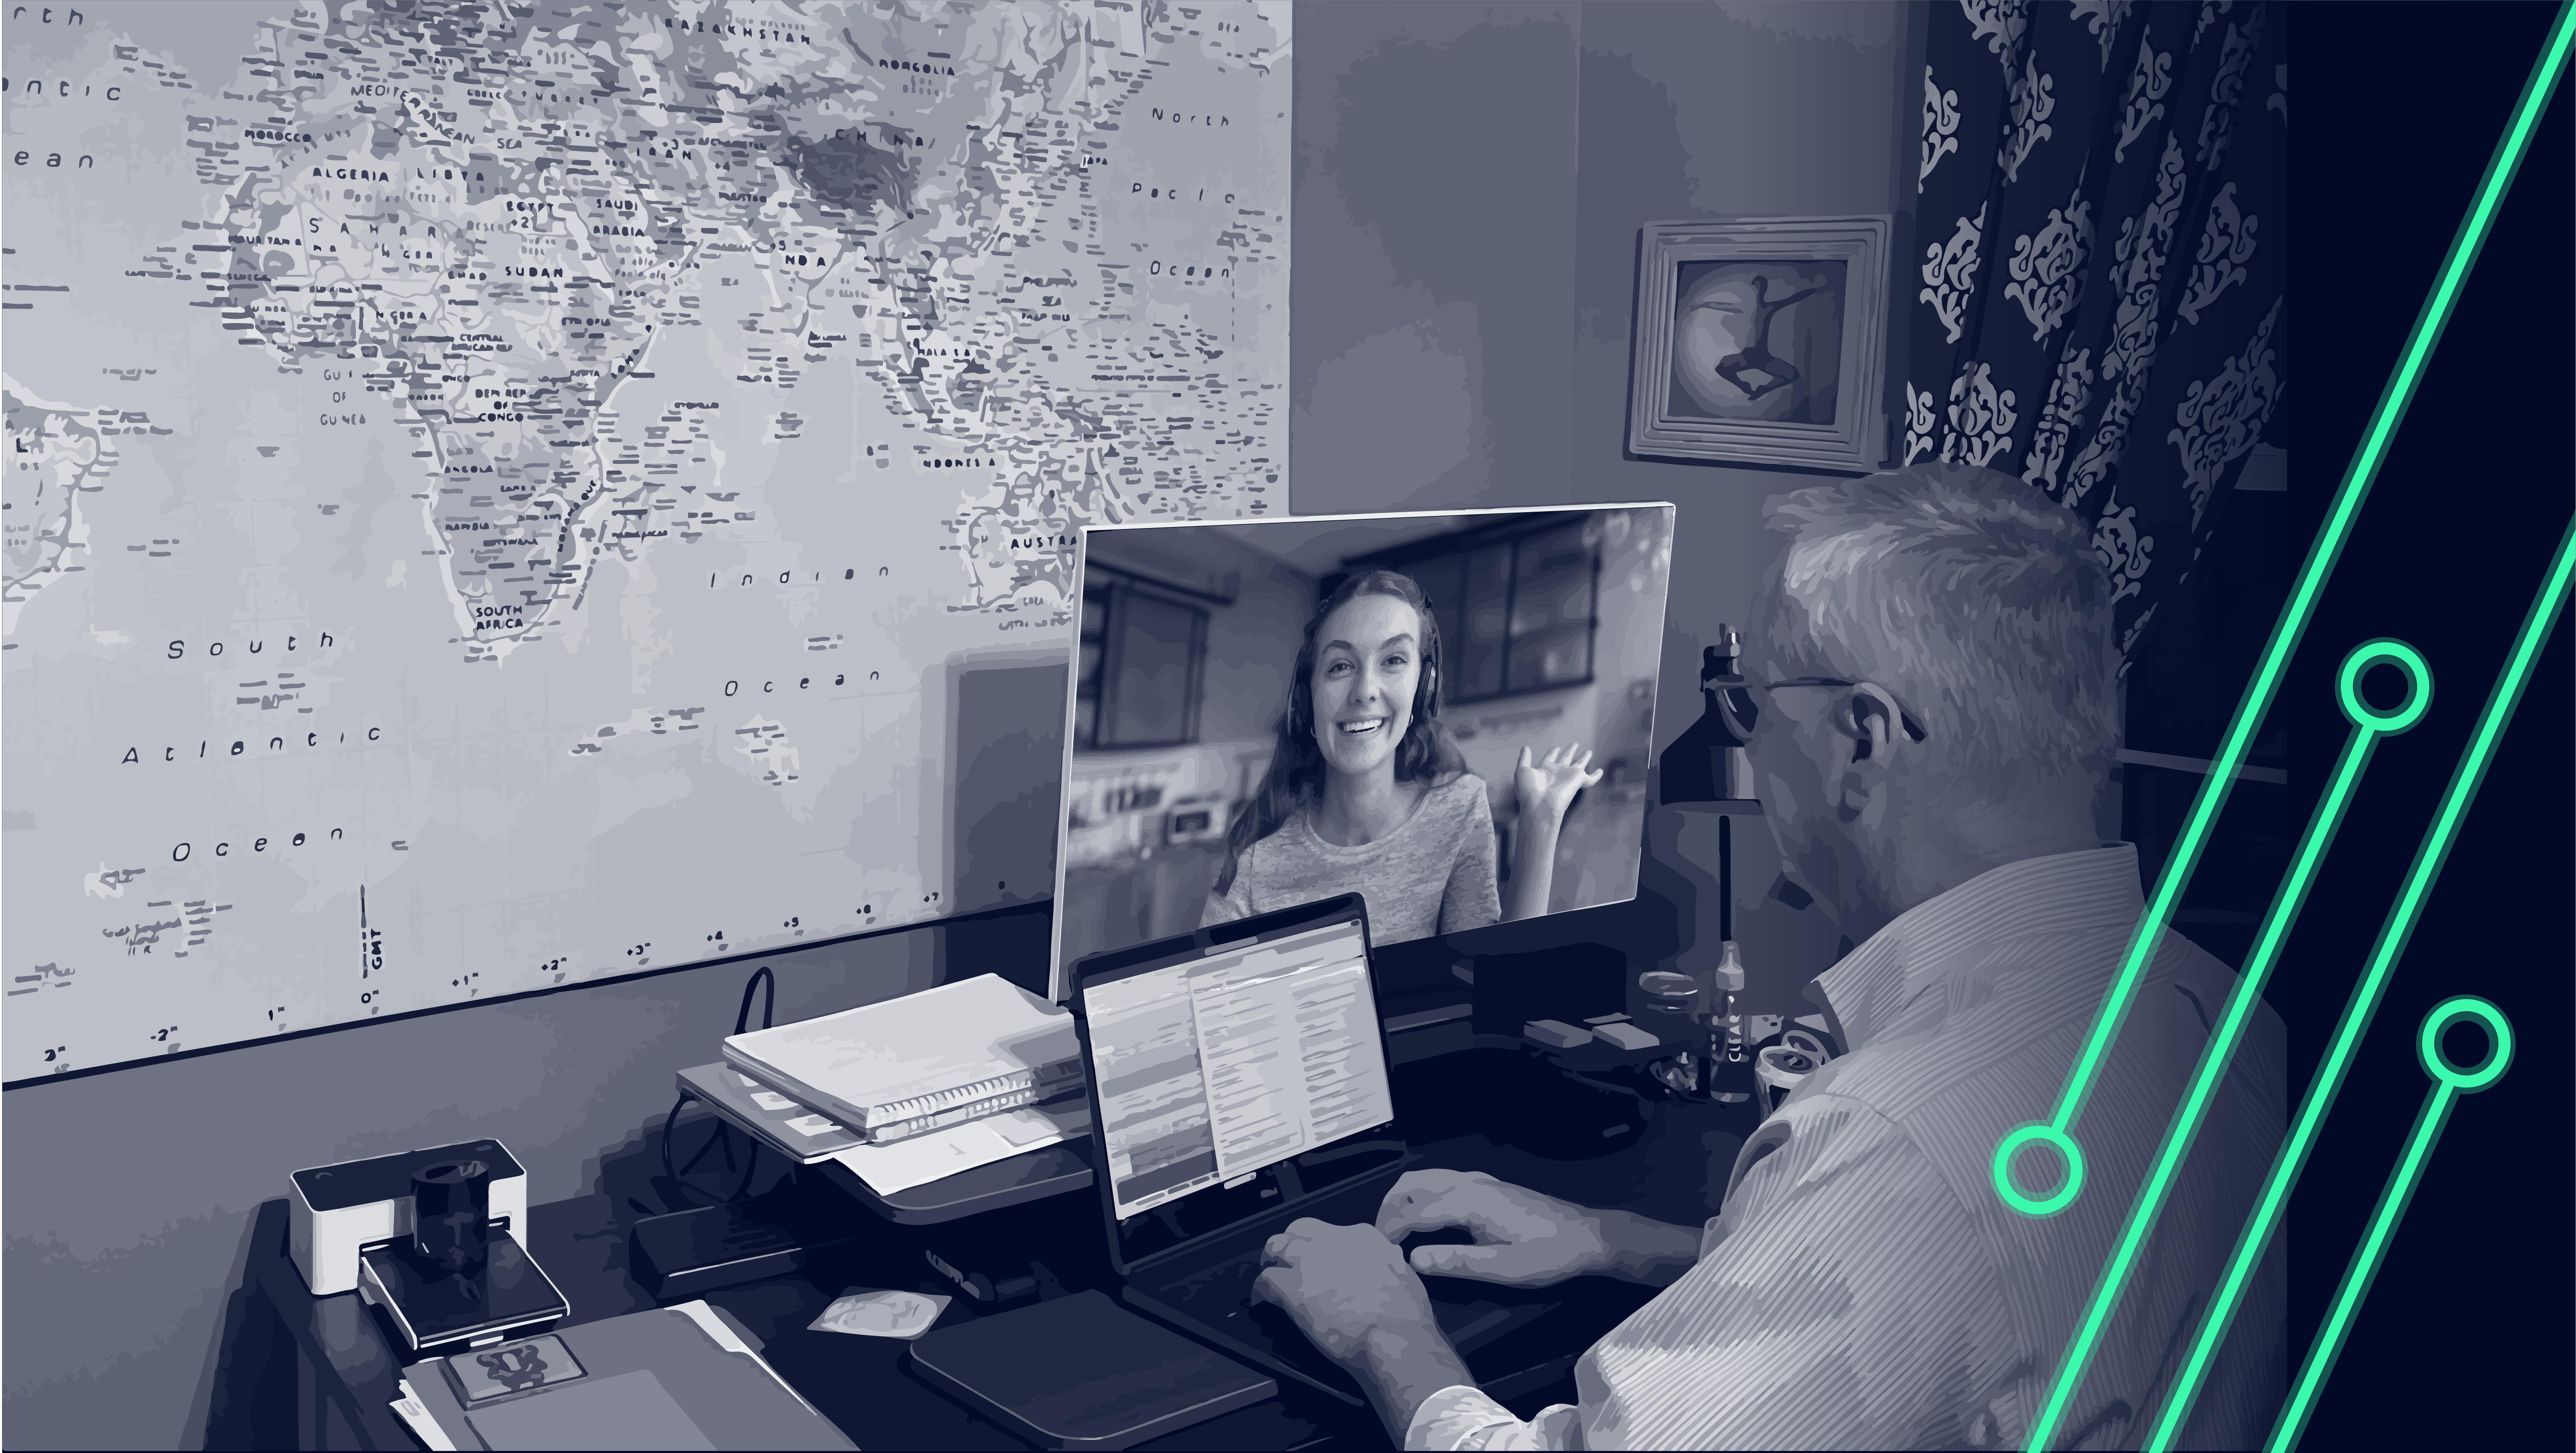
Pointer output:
1762, 340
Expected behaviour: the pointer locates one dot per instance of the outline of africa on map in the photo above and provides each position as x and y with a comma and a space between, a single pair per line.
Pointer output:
501, 493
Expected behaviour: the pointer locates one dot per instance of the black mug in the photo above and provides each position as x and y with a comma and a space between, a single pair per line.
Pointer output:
452, 1215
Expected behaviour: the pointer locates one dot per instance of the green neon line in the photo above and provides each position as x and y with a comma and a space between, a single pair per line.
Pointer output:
2222, 1311
2364, 1269
2295, 615
2287, 900
2365, 999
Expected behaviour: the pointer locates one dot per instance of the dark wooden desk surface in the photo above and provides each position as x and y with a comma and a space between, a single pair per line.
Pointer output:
1671, 1166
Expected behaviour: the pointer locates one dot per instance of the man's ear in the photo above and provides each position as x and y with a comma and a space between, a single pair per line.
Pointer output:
1873, 720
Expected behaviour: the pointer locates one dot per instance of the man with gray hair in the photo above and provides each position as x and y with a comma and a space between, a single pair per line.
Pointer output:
1978, 602
1937, 712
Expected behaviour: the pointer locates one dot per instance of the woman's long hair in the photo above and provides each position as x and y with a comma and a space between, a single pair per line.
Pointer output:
1428, 753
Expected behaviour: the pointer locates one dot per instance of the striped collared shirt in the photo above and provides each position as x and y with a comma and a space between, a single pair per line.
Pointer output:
1862, 1286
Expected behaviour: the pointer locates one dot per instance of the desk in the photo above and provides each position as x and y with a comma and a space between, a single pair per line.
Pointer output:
1672, 1169
347, 1368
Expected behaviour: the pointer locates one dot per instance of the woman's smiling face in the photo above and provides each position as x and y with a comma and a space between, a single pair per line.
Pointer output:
1368, 655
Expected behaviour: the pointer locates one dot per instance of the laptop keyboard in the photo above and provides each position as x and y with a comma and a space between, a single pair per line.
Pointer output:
1231, 1278
1217, 1296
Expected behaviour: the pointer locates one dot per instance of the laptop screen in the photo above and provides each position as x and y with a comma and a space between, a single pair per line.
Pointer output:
1214, 1065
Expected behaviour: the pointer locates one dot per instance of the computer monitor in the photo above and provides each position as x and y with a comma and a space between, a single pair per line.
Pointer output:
1269, 712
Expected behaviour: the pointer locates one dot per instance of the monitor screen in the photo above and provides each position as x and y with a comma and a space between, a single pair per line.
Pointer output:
1448, 714
1213, 1065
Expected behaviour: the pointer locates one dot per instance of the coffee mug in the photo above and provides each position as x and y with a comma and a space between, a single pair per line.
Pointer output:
1781, 1069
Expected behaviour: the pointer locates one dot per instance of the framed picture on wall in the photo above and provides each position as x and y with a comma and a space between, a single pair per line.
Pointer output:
1762, 340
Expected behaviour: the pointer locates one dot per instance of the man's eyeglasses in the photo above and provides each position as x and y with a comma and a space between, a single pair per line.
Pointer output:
1913, 728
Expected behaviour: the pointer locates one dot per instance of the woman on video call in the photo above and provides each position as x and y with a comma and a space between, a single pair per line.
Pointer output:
1367, 792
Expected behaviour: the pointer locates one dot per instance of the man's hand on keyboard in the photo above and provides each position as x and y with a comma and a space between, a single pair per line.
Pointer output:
1341, 1283
1349, 1290
1524, 1239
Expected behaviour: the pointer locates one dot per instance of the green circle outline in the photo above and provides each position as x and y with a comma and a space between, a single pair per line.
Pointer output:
2428, 1043
2068, 1153
2386, 650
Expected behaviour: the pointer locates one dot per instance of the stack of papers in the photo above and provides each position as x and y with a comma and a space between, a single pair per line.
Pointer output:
925, 1158
789, 1127
922, 1063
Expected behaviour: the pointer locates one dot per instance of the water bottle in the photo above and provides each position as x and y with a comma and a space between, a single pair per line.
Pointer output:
1730, 1062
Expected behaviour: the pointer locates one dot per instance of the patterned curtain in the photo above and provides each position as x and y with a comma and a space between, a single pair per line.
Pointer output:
2102, 239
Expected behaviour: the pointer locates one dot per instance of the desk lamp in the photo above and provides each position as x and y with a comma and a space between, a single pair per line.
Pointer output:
1706, 770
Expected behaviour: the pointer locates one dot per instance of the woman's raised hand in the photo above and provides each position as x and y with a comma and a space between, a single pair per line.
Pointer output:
1547, 786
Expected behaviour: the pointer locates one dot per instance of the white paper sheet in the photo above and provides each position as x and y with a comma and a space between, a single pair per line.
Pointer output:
715, 1328
416, 1417
925, 1158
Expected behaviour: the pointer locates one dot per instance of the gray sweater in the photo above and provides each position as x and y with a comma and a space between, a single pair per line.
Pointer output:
1435, 874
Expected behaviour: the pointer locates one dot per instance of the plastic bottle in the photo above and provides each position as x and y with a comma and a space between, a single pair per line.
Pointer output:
1730, 1063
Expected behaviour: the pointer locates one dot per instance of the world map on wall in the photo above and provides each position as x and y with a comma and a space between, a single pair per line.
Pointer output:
495, 488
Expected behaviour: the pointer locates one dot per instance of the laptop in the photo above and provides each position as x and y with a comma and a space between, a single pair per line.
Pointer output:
1238, 1080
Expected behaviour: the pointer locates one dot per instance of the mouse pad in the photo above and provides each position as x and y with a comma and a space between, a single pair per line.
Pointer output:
630, 1410
1084, 1370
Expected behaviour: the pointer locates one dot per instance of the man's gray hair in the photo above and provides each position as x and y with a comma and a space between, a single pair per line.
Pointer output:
1974, 597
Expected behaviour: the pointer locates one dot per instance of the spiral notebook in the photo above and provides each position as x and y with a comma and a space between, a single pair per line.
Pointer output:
925, 1061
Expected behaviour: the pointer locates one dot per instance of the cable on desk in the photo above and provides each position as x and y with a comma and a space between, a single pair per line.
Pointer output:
760, 977
723, 1135
769, 1005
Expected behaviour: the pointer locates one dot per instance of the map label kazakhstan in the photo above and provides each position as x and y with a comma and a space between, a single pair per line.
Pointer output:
504, 494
